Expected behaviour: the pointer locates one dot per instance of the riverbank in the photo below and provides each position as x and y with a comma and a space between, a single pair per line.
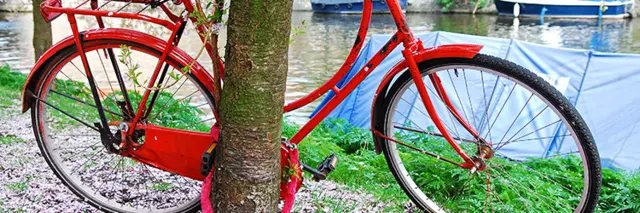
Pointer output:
362, 181
420, 6
413, 6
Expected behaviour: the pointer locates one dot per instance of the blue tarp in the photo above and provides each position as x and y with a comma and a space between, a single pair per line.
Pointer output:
604, 87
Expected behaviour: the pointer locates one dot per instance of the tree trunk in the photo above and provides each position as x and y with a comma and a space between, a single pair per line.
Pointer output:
247, 175
41, 31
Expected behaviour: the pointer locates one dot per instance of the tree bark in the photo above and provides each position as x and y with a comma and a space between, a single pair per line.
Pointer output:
41, 31
247, 174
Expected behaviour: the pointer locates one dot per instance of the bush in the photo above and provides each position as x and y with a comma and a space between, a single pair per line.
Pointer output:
449, 4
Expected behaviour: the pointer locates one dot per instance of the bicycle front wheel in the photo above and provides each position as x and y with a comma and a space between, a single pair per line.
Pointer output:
65, 116
543, 157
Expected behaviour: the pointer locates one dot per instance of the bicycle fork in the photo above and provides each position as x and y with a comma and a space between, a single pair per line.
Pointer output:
474, 163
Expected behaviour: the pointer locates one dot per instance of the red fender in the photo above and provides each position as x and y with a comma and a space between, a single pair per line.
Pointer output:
37, 72
444, 51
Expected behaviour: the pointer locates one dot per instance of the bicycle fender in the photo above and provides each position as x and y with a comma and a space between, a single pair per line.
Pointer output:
38, 71
443, 51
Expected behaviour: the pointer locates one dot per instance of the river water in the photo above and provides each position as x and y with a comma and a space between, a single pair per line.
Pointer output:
319, 52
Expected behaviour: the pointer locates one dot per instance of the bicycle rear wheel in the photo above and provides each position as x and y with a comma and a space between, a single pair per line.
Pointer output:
544, 158
64, 116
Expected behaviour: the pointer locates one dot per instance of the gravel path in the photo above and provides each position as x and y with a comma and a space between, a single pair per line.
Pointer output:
27, 183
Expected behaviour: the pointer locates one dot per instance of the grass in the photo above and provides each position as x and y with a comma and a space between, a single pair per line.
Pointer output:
20, 186
360, 167
10, 139
170, 112
162, 186
10, 86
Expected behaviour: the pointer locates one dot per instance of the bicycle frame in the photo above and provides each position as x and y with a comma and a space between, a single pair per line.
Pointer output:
412, 48
413, 52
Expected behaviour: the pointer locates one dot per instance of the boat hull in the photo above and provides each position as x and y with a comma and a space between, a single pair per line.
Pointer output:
574, 9
354, 7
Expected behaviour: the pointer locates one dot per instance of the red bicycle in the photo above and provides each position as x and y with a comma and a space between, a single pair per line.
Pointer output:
127, 145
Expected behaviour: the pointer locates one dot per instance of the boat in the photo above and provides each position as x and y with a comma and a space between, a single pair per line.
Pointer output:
565, 8
351, 6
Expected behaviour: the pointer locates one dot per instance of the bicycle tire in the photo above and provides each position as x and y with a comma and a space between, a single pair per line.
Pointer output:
41, 89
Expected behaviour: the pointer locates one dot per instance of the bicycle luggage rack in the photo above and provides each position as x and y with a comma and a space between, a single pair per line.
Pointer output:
52, 9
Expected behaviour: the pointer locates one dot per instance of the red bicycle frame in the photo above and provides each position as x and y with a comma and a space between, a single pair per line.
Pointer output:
413, 52
412, 48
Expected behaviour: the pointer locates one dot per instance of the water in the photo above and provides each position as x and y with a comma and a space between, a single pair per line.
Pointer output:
319, 52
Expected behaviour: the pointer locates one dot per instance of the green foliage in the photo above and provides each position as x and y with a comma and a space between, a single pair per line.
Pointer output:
19, 186
297, 30
360, 167
162, 186
10, 86
450, 4
620, 191
132, 69
10, 139
347, 137
446, 4
168, 111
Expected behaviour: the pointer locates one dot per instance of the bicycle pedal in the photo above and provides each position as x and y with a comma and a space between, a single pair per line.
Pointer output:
207, 159
327, 166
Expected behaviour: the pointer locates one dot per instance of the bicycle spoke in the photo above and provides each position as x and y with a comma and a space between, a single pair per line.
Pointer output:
66, 113
76, 154
425, 114
58, 135
109, 162
525, 125
199, 122
486, 111
517, 116
455, 128
538, 138
92, 158
105, 72
84, 102
68, 78
77, 147
151, 117
511, 179
502, 144
434, 134
473, 114
501, 108
458, 96
98, 88
554, 200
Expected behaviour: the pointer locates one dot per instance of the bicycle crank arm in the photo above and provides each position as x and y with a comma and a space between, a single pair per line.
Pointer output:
317, 175
326, 166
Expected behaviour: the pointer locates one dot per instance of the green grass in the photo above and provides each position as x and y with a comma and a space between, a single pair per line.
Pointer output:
173, 113
362, 168
359, 166
162, 186
10, 139
10, 86
20, 186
